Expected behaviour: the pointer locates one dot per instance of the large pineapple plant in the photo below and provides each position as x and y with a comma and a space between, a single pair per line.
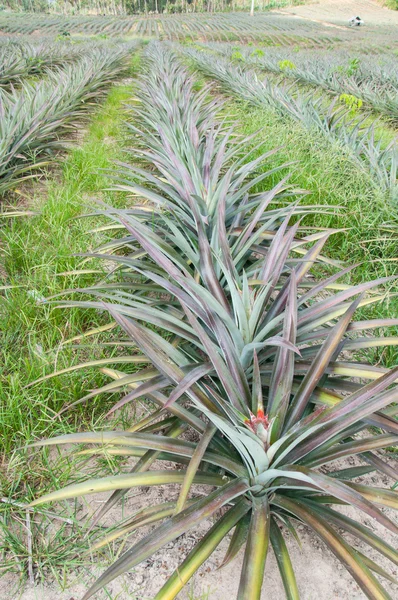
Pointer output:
212, 286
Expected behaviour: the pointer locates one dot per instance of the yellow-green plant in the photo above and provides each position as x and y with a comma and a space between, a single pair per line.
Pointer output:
237, 56
351, 102
286, 65
257, 53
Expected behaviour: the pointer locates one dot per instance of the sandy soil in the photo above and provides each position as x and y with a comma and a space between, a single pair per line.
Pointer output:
340, 11
319, 573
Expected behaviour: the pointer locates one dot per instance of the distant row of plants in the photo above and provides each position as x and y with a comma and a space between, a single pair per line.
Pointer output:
248, 392
50, 24
270, 28
374, 81
34, 117
334, 121
21, 58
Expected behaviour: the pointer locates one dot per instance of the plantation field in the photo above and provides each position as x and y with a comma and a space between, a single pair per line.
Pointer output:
199, 305
272, 29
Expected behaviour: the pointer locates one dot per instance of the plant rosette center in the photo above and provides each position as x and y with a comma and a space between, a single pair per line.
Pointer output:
260, 426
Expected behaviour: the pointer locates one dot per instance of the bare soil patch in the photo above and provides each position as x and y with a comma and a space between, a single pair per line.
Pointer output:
319, 573
338, 12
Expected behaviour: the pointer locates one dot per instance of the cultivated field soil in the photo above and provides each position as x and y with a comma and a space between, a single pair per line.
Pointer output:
318, 573
338, 12
41, 253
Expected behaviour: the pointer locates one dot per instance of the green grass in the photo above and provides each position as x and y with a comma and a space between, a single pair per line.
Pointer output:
37, 250
193, 596
369, 221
